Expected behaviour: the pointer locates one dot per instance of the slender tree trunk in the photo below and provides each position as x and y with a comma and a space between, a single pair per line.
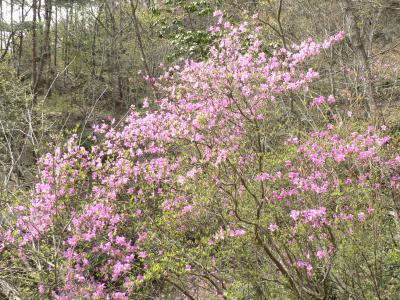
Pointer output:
114, 55
359, 49
21, 38
12, 26
47, 47
138, 36
94, 40
39, 7
96, 28
34, 50
55, 38
76, 26
45, 53
120, 38
1, 21
66, 42
135, 20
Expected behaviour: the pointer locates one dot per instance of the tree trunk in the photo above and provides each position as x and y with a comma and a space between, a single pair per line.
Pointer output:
1, 21
34, 50
135, 20
95, 32
66, 43
45, 53
55, 38
359, 49
12, 26
114, 57
21, 38
138, 36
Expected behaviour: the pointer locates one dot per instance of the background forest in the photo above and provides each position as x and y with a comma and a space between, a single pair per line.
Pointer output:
188, 149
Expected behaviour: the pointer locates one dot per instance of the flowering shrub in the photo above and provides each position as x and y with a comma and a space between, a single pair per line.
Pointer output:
207, 198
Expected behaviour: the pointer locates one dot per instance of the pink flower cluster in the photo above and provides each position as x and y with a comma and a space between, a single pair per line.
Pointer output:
222, 234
